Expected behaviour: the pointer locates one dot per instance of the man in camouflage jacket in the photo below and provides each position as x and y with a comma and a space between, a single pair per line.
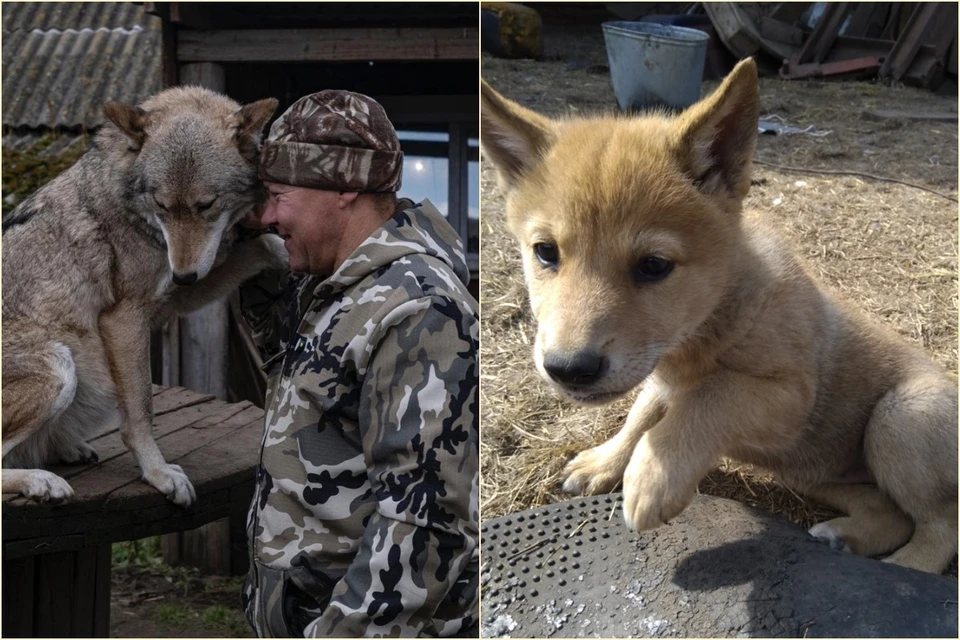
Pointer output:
365, 517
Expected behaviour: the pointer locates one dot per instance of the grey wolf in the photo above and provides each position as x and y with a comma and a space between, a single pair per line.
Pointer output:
643, 270
139, 229
373, 337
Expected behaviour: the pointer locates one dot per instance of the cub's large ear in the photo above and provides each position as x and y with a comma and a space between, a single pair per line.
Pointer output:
250, 121
514, 138
131, 120
716, 137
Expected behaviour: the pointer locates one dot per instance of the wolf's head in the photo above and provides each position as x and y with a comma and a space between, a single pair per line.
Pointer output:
195, 171
629, 227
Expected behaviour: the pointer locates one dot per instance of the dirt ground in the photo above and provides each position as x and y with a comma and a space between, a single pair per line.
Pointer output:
890, 248
149, 599
170, 603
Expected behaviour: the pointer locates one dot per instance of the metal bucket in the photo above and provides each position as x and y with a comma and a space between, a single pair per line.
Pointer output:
655, 65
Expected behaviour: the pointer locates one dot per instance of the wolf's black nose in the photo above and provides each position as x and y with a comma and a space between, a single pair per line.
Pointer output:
578, 368
186, 278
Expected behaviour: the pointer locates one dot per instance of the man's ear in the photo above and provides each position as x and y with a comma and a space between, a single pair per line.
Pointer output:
131, 120
716, 137
514, 138
347, 198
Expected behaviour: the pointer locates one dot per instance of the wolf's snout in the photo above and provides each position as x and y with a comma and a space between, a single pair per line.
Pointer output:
580, 368
185, 278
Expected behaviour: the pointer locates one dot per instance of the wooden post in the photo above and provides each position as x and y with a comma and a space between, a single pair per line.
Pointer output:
203, 367
61, 594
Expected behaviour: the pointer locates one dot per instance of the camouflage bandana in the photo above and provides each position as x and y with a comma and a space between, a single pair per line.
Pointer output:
335, 141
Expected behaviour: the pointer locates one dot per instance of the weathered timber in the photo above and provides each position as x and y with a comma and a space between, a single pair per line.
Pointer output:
328, 45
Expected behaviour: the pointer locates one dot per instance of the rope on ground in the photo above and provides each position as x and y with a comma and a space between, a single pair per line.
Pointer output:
860, 174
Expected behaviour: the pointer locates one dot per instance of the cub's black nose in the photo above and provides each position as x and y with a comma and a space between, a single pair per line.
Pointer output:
186, 278
579, 368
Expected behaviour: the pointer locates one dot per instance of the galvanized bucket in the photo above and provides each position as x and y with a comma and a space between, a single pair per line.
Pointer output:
655, 65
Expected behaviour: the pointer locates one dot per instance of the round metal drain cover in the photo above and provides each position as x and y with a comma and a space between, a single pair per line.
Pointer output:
720, 569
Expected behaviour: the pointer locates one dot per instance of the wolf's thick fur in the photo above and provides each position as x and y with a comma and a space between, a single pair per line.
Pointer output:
98, 255
641, 268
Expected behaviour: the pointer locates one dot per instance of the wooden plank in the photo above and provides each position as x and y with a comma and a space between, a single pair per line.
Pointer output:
774, 29
119, 478
82, 611
178, 448
18, 600
175, 398
55, 571
117, 525
111, 446
204, 74
39, 545
101, 601
208, 547
328, 45
922, 20
117, 467
867, 20
168, 50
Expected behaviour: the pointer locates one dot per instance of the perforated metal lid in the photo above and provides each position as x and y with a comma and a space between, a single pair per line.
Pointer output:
573, 569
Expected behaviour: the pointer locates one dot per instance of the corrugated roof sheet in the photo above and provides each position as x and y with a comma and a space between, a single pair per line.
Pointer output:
60, 65
27, 16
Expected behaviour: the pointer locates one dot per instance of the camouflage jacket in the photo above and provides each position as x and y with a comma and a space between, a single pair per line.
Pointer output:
365, 517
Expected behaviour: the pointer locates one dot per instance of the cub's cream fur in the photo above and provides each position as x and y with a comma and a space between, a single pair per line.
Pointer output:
643, 270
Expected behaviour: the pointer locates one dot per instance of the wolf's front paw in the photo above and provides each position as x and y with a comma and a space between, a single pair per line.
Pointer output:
172, 482
81, 453
653, 494
44, 486
596, 470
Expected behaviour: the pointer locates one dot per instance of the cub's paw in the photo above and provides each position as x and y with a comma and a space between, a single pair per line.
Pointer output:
44, 486
653, 492
172, 482
827, 533
594, 471
80, 453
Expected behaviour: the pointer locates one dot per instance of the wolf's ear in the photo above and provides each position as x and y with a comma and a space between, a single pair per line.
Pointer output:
250, 120
513, 137
717, 136
131, 120
254, 115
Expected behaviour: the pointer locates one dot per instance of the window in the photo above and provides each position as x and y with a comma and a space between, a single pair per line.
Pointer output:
443, 166
426, 168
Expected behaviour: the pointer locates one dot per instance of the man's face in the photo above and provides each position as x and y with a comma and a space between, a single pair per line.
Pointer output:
309, 221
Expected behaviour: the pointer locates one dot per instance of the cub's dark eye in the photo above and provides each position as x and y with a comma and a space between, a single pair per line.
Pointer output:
547, 254
652, 269
206, 204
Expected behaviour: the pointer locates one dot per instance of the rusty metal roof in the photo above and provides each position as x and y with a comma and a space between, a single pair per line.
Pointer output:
62, 61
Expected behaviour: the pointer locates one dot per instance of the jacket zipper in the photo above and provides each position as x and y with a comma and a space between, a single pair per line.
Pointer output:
282, 356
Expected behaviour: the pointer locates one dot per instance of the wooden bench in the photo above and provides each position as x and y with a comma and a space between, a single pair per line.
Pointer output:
56, 558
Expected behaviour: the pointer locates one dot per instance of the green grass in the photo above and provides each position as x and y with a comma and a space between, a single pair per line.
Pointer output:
230, 621
173, 615
138, 553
